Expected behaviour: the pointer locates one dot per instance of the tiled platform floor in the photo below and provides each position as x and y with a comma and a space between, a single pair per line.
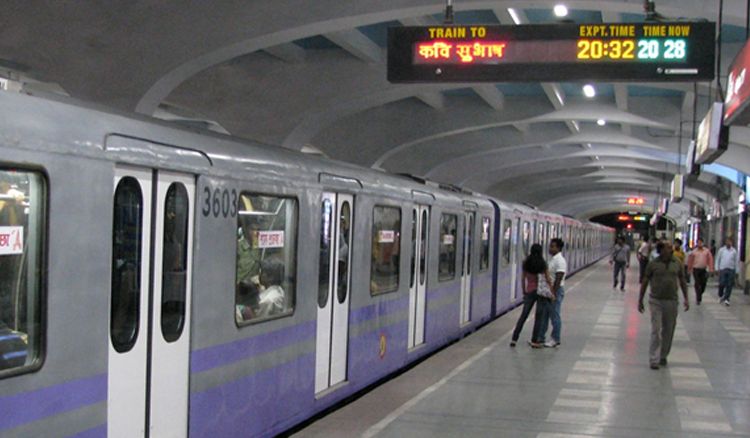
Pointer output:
597, 383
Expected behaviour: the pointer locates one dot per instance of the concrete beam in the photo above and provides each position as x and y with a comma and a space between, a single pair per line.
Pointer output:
621, 100
494, 97
433, 99
354, 42
288, 52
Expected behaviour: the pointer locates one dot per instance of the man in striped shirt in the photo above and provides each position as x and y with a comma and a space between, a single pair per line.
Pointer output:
700, 264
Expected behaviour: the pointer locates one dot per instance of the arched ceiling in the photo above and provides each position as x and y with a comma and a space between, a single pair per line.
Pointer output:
312, 75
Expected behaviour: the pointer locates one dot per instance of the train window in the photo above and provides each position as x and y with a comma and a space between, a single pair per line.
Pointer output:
266, 257
540, 233
22, 226
413, 245
526, 237
469, 243
174, 263
507, 230
386, 238
345, 221
324, 263
484, 257
423, 239
127, 231
447, 247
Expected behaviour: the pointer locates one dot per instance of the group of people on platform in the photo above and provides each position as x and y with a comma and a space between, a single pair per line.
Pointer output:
663, 265
543, 284
666, 267
699, 263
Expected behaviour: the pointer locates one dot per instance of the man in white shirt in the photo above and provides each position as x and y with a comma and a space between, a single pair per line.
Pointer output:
726, 265
643, 253
558, 268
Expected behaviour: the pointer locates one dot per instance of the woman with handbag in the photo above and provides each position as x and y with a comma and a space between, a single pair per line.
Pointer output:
532, 267
544, 302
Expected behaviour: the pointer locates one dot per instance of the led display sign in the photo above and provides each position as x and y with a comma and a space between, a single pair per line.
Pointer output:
682, 51
635, 201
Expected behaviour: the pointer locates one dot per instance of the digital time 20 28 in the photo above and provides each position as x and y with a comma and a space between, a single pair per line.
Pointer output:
631, 49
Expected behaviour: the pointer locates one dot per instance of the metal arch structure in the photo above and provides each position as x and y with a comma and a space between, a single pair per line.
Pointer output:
314, 79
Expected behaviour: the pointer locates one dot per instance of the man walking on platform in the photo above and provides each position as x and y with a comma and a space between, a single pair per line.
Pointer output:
621, 259
664, 274
700, 263
643, 252
726, 264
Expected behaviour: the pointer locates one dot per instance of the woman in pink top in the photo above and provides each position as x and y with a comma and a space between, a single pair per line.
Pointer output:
532, 267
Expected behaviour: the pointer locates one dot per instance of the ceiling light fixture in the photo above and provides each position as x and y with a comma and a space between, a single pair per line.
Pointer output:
514, 15
601, 122
589, 91
561, 11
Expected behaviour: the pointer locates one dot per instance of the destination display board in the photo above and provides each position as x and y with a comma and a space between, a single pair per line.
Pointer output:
677, 51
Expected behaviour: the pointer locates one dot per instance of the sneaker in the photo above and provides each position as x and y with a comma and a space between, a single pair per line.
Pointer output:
512, 343
726, 303
535, 345
654, 366
622, 289
551, 344
663, 362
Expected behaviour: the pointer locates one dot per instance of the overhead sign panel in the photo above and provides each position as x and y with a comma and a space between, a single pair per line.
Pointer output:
737, 101
713, 135
678, 51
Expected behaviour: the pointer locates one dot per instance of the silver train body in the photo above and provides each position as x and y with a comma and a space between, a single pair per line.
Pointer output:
161, 282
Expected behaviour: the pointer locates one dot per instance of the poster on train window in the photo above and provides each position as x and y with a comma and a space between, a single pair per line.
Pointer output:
386, 236
448, 239
270, 239
11, 240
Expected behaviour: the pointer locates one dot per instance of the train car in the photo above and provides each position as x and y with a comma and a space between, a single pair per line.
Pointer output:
163, 282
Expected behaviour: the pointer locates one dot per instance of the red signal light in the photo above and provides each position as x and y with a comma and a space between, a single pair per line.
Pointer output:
623, 218
629, 226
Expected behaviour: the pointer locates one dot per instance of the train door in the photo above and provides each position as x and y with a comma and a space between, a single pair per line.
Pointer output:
418, 284
469, 219
333, 295
149, 333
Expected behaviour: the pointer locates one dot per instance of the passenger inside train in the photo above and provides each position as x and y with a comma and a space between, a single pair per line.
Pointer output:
264, 285
20, 213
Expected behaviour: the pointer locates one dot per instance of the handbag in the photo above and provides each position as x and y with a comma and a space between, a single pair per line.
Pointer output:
543, 289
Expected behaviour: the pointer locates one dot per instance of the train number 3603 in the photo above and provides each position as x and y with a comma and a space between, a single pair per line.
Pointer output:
218, 202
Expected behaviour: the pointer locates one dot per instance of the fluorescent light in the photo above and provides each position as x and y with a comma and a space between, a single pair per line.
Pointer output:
589, 90
601, 122
596, 158
514, 15
561, 11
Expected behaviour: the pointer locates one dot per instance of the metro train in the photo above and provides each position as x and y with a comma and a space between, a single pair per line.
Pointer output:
162, 281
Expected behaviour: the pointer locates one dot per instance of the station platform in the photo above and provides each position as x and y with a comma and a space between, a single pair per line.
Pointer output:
597, 383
